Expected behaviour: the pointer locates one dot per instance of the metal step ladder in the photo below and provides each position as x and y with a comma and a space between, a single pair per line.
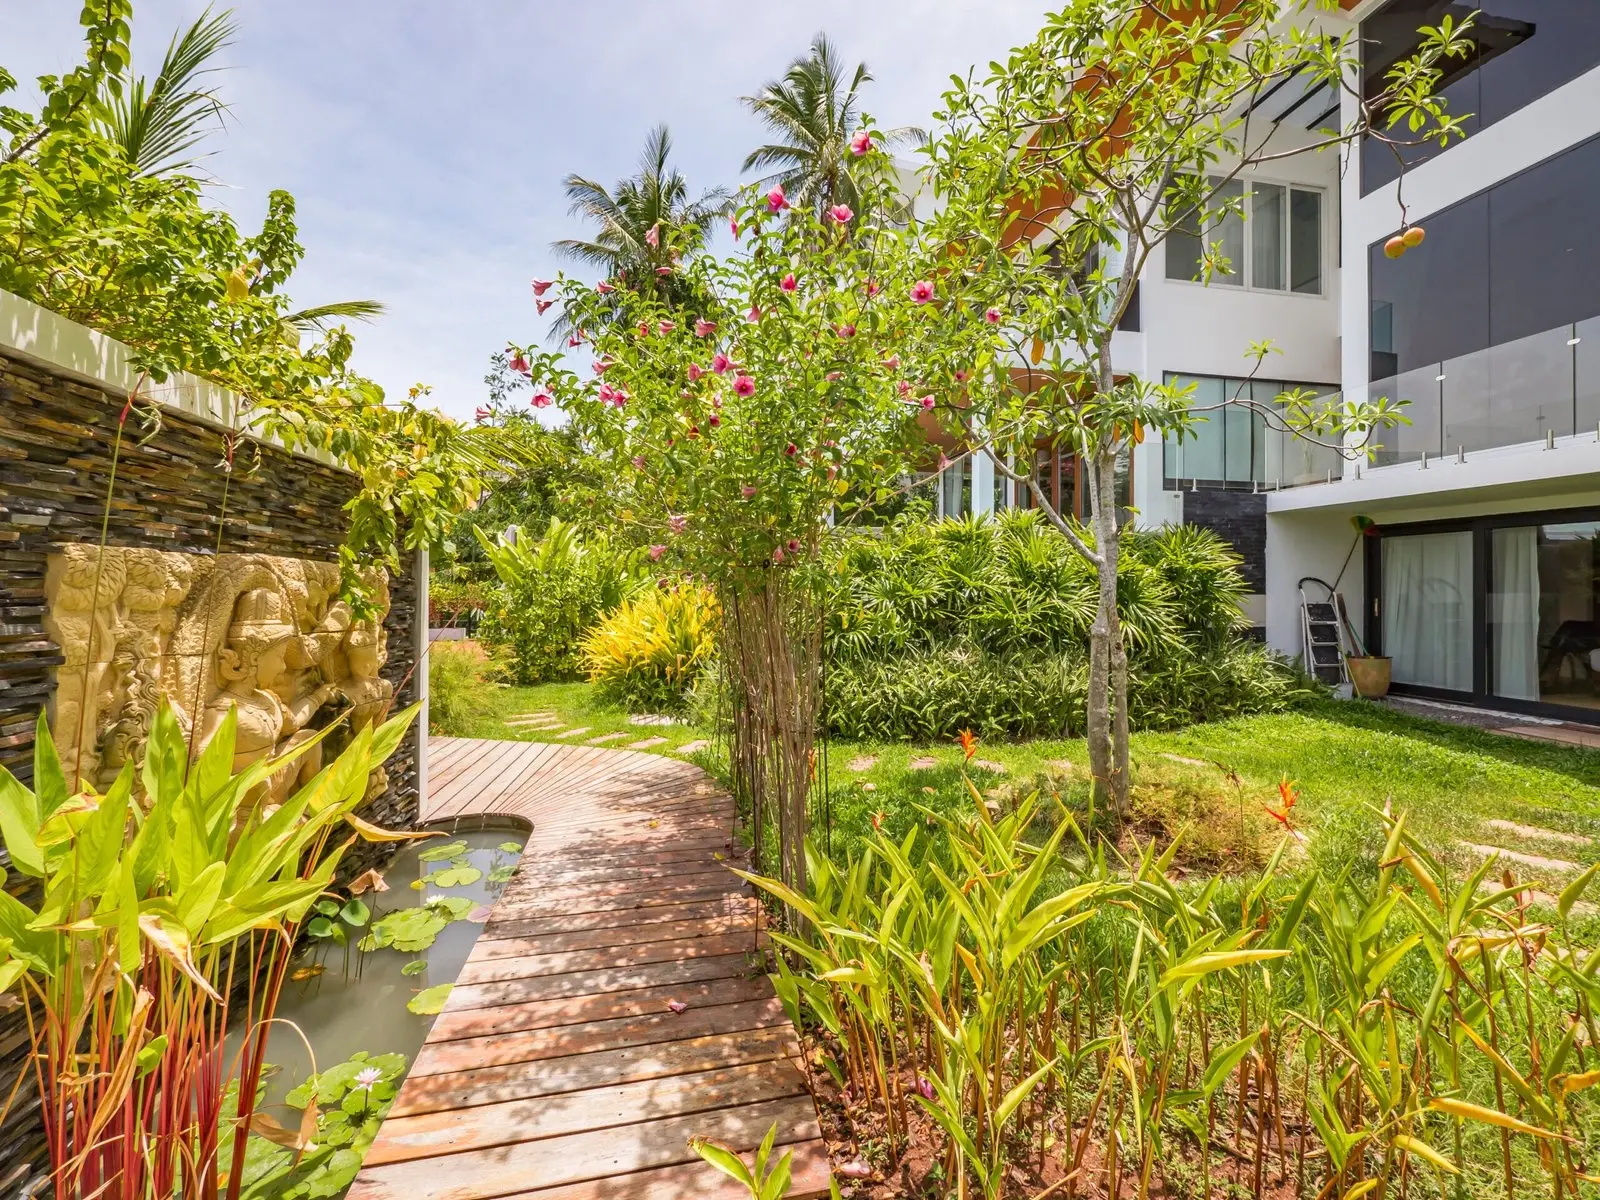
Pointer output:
1322, 634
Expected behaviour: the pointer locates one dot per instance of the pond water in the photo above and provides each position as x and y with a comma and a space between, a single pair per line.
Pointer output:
357, 1001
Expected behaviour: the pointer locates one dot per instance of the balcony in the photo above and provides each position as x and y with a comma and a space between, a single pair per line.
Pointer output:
1525, 392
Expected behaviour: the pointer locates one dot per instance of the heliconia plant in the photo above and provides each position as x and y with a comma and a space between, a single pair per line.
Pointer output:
1067, 1018
168, 901
784, 394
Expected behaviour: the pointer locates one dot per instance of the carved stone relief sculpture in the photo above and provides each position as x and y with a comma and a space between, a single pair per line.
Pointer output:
264, 636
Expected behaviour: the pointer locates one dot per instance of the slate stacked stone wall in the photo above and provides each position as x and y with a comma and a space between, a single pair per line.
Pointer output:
171, 493
1240, 519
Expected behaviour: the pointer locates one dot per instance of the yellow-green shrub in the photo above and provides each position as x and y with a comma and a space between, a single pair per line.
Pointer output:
649, 653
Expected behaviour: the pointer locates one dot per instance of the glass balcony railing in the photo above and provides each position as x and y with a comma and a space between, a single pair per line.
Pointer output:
1512, 394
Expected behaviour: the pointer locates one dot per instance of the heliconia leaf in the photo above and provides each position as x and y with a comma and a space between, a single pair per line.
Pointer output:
1577, 1083
171, 941
1222, 960
376, 833
724, 1159
1489, 1116
49, 780
1422, 1150
1573, 891
19, 825
1223, 1062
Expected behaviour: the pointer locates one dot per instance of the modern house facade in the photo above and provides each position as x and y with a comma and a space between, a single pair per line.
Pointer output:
1481, 576
1481, 579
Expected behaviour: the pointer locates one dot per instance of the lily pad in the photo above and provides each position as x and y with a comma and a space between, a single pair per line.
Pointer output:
454, 876
502, 873
441, 852
430, 1001
510, 847
415, 967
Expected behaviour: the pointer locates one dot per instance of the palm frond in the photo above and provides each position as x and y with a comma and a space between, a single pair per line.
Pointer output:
340, 310
159, 122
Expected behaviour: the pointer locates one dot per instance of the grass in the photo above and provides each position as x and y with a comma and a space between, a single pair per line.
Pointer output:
575, 706
1343, 756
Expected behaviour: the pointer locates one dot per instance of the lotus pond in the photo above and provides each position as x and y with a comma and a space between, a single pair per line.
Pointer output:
358, 1003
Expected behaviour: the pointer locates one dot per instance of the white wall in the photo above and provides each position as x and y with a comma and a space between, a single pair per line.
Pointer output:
1308, 543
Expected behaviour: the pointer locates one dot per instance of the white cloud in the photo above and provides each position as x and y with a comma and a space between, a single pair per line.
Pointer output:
426, 141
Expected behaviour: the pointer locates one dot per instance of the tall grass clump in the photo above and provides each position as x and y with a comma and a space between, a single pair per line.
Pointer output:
459, 688
649, 654
982, 623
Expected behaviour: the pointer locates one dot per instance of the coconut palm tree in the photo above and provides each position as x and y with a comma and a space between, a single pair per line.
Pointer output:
813, 112
158, 123
656, 199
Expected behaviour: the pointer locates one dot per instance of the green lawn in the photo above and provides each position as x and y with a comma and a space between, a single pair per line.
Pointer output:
1343, 756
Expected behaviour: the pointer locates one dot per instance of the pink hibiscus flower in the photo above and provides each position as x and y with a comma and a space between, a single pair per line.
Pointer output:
604, 288
789, 282
656, 552
541, 399
845, 331
748, 491
720, 363
841, 214
665, 327
704, 328
541, 286
695, 371
922, 291
542, 305
992, 316
653, 236
776, 200
861, 143
744, 385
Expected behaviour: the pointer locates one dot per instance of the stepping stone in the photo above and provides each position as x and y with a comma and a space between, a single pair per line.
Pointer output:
578, 732
606, 737
988, 764
1537, 861
646, 743
922, 764
1568, 735
691, 747
550, 730
863, 762
533, 722
651, 719
1060, 764
1534, 833
1185, 760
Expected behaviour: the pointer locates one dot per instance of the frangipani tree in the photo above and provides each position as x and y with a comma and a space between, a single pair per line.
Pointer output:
1060, 172
735, 433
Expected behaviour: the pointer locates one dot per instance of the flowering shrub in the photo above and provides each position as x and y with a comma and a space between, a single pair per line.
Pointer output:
792, 392
734, 431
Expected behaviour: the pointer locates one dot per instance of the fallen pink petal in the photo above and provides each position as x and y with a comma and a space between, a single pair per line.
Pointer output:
677, 1006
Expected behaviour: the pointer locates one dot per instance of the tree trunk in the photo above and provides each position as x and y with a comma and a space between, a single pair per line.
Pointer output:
771, 652
1108, 657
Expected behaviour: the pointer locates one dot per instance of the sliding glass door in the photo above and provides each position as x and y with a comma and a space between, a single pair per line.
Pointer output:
1502, 611
1427, 607
1544, 582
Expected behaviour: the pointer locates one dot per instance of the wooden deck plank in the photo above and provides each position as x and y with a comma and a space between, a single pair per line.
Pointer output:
559, 1069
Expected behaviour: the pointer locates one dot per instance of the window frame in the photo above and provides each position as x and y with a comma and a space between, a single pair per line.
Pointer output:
1242, 277
1177, 483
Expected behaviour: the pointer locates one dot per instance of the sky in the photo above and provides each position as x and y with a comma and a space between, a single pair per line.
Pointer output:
426, 141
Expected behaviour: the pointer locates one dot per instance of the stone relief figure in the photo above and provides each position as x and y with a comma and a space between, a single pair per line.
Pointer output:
268, 637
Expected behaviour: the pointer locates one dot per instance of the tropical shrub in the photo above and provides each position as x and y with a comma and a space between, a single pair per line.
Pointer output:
452, 603
156, 912
1061, 1021
648, 654
982, 623
458, 687
550, 593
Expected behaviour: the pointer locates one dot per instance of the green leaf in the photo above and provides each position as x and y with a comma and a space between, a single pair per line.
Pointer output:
510, 847
49, 781
441, 852
1573, 891
1223, 1062
415, 967
19, 825
454, 876
430, 1001
355, 913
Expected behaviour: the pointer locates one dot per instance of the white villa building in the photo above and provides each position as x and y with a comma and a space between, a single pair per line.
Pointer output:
1482, 578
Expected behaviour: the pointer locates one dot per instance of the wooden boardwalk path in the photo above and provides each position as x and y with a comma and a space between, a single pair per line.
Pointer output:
558, 1069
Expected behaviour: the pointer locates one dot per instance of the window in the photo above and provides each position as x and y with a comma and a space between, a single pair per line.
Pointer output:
1230, 444
1271, 237
1512, 261
1521, 50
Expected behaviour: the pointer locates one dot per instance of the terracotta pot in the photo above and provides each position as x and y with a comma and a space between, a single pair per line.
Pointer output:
1369, 675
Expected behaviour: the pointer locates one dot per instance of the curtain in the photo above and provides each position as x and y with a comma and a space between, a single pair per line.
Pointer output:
1514, 612
1427, 609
